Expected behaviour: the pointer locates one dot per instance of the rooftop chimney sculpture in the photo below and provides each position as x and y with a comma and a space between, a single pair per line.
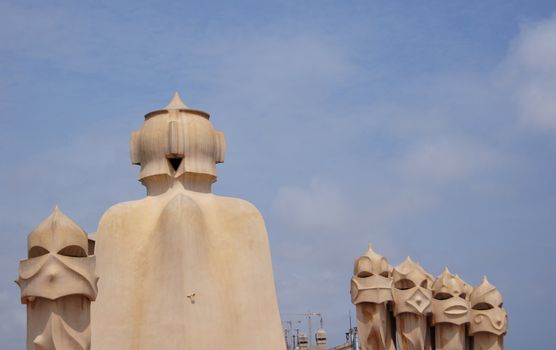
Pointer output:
450, 311
442, 314
320, 337
58, 283
371, 292
184, 268
488, 319
411, 290
181, 268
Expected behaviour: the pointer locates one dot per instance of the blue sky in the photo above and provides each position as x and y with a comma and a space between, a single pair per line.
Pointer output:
426, 129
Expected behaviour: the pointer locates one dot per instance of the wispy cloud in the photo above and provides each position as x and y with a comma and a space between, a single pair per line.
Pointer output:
322, 207
445, 160
343, 135
531, 66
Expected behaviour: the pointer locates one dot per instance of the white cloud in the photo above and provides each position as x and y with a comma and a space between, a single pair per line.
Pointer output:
531, 66
278, 72
279, 96
444, 160
322, 206
359, 202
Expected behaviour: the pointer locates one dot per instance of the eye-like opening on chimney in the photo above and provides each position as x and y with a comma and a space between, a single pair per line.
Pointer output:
175, 162
37, 251
73, 251
482, 306
404, 284
443, 296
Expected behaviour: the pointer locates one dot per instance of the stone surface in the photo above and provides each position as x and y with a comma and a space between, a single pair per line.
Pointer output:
183, 268
371, 294
488, 318
443, 313
412, 295
58, 283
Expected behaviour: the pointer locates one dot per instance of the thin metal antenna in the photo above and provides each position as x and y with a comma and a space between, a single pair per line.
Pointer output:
310, 330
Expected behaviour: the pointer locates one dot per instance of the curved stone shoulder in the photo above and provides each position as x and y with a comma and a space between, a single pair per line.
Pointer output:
120, 209
229, 208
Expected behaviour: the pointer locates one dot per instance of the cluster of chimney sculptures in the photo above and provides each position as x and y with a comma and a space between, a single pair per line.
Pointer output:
406, 308
183, 268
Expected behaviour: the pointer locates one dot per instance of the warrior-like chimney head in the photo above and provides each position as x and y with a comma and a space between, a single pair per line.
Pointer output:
58, 264
487, 314
372, 279
177, 140
450, 300
412, 288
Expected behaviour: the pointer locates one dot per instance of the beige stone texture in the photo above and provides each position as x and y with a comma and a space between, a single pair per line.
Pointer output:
450, 300
444, 313
370, 293
183, 268
58, 283
488, 318
411, 291
450, 311
487, 341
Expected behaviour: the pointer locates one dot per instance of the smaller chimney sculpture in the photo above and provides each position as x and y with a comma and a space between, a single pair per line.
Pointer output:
450, 311
406, 309
58, 283
303, 341
488, 319
412, 304
320, 337
371, 293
